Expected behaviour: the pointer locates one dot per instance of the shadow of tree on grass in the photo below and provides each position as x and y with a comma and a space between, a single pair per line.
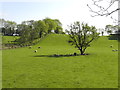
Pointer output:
59, 55
114, 37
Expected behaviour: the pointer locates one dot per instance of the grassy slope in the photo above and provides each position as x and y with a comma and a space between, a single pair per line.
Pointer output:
22, 69
5, 39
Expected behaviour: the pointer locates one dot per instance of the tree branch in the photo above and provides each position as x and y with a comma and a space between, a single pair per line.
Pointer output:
103, 11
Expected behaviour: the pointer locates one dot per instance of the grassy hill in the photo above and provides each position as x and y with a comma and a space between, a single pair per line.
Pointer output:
6, 39
23, 68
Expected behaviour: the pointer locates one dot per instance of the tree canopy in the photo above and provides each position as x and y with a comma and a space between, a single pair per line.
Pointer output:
7, 27
30, 30
81, 35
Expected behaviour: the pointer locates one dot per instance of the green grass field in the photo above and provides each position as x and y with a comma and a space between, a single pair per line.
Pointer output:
8, 39
23, 68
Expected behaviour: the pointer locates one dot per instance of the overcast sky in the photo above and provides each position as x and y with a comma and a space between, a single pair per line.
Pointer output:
67, 11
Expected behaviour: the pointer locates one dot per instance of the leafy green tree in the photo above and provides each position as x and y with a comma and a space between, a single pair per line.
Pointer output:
58, 22
81, 35
117, 29
25, 34
40, 28
8, 27
19, 29
50, 23
34, 34
109, 29
59, 28
28, 33
31, 30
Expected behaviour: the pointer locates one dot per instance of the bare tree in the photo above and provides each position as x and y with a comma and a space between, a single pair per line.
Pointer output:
106, 10
102, 10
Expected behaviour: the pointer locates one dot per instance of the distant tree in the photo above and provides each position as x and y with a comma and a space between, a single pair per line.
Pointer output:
8, 27
40, 27
30, 30
112, 29
59, 28
2, 28
25, 34
58, 22
109, 29
51, 24
81, 35
28, 33
34, 34
28, 22
117, 29
19, 29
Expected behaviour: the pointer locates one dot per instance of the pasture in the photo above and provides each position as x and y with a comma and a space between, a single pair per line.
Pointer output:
8, 39
23, 68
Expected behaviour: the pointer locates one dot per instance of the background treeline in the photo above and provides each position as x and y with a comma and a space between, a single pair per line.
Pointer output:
31, 30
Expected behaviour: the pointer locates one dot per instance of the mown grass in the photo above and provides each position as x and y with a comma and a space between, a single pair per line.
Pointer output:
23, 68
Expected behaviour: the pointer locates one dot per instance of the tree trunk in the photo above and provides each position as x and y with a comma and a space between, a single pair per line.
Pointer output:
40, 34
81, 52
